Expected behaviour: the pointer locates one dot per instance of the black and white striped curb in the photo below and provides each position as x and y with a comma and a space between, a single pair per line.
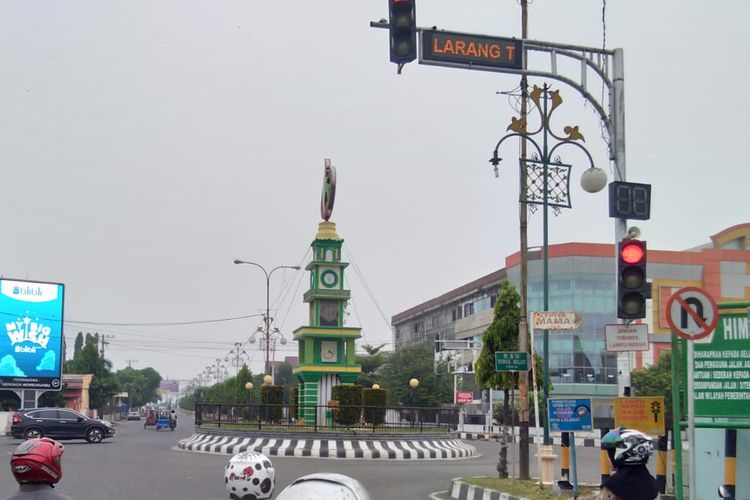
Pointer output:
412, 449
466, 491
556, 440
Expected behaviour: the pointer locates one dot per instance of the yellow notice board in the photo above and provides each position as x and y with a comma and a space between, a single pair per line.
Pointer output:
645, 414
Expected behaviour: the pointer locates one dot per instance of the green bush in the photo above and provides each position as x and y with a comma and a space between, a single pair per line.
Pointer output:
293, 401
349, 397
374, 402
272, 397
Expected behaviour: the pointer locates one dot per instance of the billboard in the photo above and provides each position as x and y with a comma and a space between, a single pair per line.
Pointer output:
31, 338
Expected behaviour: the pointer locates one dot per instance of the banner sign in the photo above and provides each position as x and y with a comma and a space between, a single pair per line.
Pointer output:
31, 340
464, 397
721, 369
645, 414
570, 415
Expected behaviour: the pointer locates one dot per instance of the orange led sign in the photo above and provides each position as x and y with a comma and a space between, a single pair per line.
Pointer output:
471, 50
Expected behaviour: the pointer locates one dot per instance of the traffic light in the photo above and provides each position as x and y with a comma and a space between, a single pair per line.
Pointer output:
403, 30
632, 289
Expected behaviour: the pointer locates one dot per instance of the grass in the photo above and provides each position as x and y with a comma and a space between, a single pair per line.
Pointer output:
519, 488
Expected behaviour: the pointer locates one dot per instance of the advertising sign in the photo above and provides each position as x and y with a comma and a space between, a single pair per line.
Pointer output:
645, 414
464, 397
556, 320
626, 338
721, 369
31, 342
570, 415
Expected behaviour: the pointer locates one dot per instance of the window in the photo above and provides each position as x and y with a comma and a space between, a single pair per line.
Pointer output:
48, 414
68, 415
329, 313
493, 300
459, 312
469, 309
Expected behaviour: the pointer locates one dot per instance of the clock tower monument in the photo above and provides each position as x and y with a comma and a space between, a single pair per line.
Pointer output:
326, 346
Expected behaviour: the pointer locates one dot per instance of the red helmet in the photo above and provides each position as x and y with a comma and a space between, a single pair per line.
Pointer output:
37, 461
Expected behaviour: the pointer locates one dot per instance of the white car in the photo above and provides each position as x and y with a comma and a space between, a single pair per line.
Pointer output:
134, 415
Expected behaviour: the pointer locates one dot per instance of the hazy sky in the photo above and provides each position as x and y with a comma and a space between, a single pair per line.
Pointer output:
146, 144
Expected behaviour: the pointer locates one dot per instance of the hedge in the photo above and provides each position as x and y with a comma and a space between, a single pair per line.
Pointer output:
374, 402
273, 397
349, 399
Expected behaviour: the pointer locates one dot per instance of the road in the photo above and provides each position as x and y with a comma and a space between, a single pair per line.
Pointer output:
143, 464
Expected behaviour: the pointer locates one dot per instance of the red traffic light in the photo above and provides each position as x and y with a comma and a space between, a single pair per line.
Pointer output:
632, 253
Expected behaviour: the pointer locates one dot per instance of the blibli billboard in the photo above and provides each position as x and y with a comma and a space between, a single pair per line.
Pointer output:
31, 336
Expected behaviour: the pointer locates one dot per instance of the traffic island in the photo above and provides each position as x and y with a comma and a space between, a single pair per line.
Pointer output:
490, 488
332, 445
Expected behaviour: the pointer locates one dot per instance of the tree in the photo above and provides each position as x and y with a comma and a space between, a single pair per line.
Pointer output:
141, 385
370, 363
103, 385
78, 345
416, 361
501, 335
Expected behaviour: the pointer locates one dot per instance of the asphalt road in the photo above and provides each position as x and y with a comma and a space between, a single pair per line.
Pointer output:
143, 464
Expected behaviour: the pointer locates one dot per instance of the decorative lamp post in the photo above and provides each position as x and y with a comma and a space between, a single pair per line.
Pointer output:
548, 180
414, 383
268, 380
376, 386
236, 354
267, 318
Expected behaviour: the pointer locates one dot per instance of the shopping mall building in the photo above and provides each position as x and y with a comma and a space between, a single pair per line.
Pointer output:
582, 279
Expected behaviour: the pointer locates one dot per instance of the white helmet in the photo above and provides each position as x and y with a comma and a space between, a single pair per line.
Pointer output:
249, 476
329, 486
631, 447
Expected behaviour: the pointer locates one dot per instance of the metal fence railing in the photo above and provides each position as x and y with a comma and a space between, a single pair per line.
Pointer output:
316, 418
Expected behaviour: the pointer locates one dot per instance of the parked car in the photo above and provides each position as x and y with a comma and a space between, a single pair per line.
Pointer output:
134, 415
59, 423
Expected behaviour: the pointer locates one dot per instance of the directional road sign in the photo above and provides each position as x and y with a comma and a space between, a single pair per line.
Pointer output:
555, 320
692, 313
511, 361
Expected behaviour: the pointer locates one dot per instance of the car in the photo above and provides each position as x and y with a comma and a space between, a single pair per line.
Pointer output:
134, 415
59, 423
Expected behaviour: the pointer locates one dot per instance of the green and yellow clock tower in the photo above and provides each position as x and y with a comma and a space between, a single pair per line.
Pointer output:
326, 346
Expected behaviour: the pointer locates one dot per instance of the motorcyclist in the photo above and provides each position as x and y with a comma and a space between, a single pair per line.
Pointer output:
328, 486
628, 450
249, 476
172, 419
35, 464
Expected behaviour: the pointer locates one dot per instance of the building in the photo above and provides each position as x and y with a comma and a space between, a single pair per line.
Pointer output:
582, 279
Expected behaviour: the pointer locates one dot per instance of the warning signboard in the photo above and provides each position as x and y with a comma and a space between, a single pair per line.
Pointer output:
626, 338
692, 313
645, 414
464, 397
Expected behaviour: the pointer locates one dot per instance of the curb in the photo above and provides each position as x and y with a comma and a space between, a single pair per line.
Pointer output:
368, 449
465, 491
478, 436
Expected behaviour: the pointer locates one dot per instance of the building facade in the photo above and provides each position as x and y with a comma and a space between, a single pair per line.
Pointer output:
582, 279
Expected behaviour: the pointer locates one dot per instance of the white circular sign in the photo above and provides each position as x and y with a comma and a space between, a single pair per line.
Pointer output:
692, 313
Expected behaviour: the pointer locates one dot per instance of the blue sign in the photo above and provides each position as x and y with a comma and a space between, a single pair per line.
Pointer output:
570, 415
31, 337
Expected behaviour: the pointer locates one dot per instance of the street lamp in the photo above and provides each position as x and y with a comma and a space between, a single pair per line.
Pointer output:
267, 318
236, 354
548, 185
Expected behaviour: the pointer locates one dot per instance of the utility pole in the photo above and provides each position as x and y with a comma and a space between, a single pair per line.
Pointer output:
103, 341
129, 361
523, 325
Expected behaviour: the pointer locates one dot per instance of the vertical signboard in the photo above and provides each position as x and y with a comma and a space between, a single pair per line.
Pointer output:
721, 369
31, 339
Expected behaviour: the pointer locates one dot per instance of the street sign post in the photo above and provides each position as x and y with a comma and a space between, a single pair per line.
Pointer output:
626, 338
556, 320
511, 361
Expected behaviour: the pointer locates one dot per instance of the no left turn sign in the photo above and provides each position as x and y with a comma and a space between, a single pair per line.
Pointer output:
692, 313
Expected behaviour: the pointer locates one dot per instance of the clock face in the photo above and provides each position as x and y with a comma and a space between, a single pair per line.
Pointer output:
329, 278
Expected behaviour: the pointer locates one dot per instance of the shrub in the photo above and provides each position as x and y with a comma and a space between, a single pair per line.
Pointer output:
272, 397
349, 397
374, 402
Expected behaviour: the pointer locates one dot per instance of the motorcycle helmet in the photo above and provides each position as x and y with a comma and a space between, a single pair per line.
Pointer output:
324, 485
628, 447
249, 476
37, 461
